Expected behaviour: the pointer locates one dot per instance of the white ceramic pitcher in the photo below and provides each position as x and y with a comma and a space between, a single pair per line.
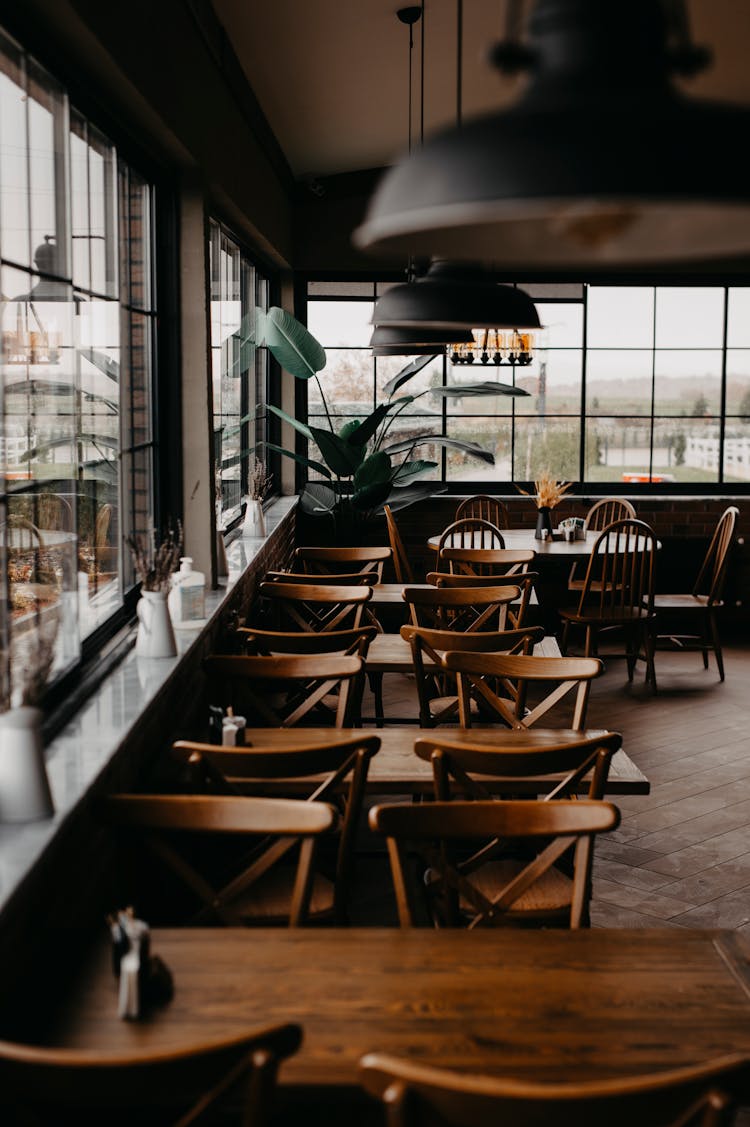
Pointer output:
24, 787
155, 634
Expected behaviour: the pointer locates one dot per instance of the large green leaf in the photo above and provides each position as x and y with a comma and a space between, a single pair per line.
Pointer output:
248, 335
340, 455
406, 374
370, 496
309, 463
489, 387
375, 469
361, 434
409, 494
408, 470
293, 346
304, 430
472, 448
317, 498
349, 428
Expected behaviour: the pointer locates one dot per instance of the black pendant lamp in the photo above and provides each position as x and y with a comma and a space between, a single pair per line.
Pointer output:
602, 162
399, 341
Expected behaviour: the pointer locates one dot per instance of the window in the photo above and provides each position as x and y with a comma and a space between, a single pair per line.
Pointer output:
78, 314
628, 384
239, 368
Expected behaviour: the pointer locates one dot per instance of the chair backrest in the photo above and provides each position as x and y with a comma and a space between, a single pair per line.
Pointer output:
281, 691
479, 675
488, 508
319, 561
427, 649
434, 825
418, 1095
713, 570
401, 565
470, 532
342, 578
46, 1084
619, 578
469, 573
267, 642
483, 561
317, 606
324, 771
457, 763
162, 820
461, 608
607, 510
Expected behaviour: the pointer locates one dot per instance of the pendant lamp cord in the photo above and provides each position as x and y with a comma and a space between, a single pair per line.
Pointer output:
459, 57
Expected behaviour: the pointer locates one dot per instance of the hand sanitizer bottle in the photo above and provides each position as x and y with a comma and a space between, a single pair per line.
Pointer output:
187, 598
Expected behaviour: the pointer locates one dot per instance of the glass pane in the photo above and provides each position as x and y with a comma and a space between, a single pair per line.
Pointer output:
341, 324
340, 289
79, 200
738, 317
492, 434
686, 450
138, 491
554, 382
14, 186
102, 215
550, 445
48, 137
136, 250
619, 382
136, 390
387, 367
738, 382
737, 450
688, 383
689, 317
620, 317
618, 449
563, 325
347, 382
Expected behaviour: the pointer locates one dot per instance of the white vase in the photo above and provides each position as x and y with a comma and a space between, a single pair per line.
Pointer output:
24, 787
155, 634
256, 517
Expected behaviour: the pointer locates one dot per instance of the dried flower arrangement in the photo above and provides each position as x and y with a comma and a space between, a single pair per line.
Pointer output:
260, 481
549, 491
154, 563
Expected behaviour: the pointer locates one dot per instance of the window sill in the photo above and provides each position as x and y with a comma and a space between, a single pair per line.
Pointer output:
78, 756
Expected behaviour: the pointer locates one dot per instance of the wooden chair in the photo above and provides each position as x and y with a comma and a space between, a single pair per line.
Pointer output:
40, 1084
418, 1095
471, 561
477, 675
618, 591
401, 565
456, 765
323, 772
701, 605
601, 514
266, 643
320, 561
461, 608
317, 606
438, 696
488, 508
334, 578
470, 532
484, 891
165, 823
523, 579
281, 691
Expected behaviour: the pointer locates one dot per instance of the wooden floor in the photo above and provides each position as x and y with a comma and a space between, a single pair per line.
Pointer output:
681, 857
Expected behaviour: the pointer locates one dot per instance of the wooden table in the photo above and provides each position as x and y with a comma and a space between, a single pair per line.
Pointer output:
556, 1005
389, 653
522, 539
397, 770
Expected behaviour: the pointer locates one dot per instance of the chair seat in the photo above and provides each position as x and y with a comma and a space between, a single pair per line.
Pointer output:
682, 602
551, 893
267, 903
609, 616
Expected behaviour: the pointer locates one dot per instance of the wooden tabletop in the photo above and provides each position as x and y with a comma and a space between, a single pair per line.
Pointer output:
395, 769
389, 653
566, 1005
523, 539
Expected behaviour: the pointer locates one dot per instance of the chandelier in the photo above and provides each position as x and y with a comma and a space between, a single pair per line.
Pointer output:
491, 346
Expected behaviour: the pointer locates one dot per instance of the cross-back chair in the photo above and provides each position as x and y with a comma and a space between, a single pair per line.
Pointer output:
320, 561
41, 1084
461, 608
468, 769
165, 823
330, 771
334, 578
401, 565
499, 684
489, 889
700, 606
488, 508
419, 1095
317, 606
282, 690
471, 561
436, 690
523, 579
618, 591
470, 532
601, 514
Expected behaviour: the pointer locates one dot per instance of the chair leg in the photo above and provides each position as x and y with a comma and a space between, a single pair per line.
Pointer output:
649, 642
631, 653
564, 638
376, 686
717, 644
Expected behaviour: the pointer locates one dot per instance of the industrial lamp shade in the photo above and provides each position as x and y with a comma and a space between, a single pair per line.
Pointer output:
601, 163
454, 297
395, 341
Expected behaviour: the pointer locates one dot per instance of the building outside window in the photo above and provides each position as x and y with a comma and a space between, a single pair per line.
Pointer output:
239, 368
76, 367
628, 384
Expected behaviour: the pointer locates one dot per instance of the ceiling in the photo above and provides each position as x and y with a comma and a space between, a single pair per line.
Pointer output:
332, 76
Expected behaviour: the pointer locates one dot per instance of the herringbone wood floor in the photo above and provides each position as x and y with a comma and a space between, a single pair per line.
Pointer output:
681, 856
